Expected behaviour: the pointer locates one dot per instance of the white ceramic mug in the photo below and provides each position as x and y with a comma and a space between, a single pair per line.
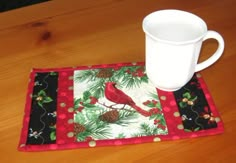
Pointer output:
173, 43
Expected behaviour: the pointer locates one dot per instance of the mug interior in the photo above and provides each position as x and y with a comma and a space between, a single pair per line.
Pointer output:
174, 26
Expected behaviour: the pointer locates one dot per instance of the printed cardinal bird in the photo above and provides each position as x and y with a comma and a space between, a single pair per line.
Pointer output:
119, 97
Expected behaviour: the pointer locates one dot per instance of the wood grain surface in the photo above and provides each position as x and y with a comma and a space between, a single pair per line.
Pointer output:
62, 33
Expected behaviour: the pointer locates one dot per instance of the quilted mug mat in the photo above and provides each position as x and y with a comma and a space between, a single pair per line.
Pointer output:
114, 104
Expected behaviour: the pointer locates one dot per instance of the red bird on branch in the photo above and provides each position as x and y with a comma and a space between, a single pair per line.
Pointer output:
119, 97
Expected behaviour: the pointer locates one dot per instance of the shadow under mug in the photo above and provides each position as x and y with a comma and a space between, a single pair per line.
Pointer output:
173, 43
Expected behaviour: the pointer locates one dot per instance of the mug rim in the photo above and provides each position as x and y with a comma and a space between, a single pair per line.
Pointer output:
144, 25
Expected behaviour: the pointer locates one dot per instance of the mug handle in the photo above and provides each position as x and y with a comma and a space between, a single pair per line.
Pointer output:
212, 35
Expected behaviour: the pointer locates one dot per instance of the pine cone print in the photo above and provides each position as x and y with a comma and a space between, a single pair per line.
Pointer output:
105, 73
110, 116
79, 128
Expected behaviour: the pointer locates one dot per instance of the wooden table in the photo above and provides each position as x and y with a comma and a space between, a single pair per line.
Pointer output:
62, 34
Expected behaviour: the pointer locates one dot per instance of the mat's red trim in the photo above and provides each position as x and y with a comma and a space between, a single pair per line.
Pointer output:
26, 118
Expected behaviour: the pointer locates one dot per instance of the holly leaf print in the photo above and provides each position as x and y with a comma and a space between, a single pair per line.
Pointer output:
196, 129
86, 95
42, 93
187, 130
158, 105
88, 105
53, 135
187, 95
182, 104
43, 98
47, 99
40, 104
53, 73
194, 99
77, 102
